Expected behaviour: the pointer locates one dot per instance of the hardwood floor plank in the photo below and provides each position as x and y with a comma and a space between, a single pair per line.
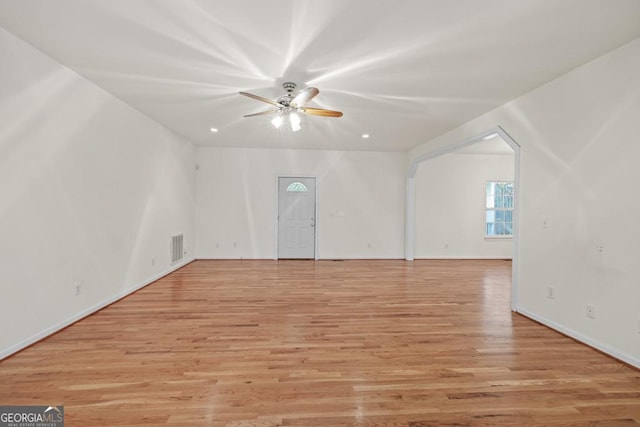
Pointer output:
304, 343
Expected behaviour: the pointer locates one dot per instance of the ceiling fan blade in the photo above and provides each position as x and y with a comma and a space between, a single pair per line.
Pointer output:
260, 98
262, 113
321, 112
304, 96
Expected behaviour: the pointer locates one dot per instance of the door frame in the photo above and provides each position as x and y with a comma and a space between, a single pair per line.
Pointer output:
276, 213
410, 206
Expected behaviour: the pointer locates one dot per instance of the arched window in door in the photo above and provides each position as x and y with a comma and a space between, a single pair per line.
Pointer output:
297, 187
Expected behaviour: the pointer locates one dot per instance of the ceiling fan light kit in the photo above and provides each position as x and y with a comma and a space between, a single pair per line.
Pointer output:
294, 119
277, 121
290, 105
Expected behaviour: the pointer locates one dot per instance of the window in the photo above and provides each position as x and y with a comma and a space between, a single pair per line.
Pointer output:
499, 209
297, 187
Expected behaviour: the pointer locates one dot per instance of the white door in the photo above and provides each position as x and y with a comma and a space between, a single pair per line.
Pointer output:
296, 217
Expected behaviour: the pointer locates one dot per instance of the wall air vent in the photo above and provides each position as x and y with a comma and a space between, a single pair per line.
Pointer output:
177, 248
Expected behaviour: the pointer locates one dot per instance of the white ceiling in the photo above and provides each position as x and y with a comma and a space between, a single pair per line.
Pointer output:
402, 71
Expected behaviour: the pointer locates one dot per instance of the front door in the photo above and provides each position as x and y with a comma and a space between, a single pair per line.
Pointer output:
296, 217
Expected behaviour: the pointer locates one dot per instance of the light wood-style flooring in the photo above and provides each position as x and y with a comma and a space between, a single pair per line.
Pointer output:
322, 343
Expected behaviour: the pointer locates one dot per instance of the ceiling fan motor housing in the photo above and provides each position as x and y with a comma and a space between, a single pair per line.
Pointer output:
289, 86
285, 100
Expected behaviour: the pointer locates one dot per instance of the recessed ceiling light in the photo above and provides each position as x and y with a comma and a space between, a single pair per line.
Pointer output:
365, 135
213, 130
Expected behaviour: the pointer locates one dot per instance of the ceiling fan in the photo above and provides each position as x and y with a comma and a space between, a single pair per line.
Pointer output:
289, 106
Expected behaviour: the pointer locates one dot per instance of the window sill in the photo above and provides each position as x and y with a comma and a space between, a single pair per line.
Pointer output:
510, 237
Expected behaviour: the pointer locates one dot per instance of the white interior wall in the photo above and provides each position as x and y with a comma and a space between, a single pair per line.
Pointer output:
578, 177
360, 201
450, 206
91, 191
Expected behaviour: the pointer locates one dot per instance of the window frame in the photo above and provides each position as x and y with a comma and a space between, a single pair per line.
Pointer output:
487, 209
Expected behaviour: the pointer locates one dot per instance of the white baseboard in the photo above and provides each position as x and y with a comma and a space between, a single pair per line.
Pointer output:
464, 257
275, 259
4, 353
582, 338
231, 258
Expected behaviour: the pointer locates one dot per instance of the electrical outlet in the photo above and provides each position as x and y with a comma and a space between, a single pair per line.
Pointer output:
551, 292
77, 286
153, 261
639, 326
591, 311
